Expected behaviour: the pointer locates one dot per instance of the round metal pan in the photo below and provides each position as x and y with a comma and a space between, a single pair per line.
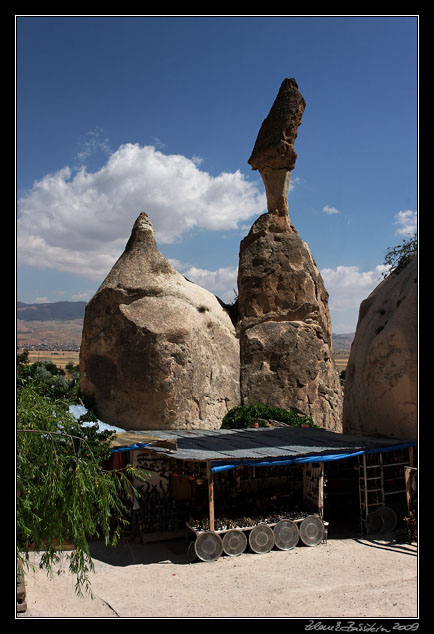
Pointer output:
286, 534
234, 543
389, 517
261, 539
208, 546
312, 530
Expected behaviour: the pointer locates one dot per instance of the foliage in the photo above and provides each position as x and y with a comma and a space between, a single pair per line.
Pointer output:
399, 256
63, 492
244, 416
342, 377
48, 379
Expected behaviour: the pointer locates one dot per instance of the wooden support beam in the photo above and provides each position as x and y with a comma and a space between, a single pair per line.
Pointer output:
210, 477
411, 456
321, 489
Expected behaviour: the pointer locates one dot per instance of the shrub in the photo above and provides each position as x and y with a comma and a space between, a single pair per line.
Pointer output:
244, 416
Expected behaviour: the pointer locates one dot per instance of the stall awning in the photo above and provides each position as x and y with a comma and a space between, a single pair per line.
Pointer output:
229, 448
218, 466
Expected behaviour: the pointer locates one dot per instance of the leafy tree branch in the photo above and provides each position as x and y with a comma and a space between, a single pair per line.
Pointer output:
398, 257
63, 492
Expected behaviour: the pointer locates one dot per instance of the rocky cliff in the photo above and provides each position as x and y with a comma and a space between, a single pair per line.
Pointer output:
381, 378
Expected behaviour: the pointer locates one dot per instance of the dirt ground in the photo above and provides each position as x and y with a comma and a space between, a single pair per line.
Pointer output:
369, 577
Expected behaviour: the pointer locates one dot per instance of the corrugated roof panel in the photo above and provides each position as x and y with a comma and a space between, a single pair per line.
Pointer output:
224, 444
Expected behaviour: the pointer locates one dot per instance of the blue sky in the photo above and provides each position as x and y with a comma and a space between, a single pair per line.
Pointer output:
117, 115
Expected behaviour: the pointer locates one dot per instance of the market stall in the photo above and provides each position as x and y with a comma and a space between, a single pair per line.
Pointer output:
229, 490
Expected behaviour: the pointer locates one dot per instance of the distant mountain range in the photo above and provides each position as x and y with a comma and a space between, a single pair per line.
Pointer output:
51, 311
342, 343
62, 312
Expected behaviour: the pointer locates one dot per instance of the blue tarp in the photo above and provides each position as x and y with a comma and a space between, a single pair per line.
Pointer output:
217, 467
136, 445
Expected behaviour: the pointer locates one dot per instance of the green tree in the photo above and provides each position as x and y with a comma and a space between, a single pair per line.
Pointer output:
399, 256
63, 492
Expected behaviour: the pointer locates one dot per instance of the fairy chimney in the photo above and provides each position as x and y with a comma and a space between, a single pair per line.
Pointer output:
157, 352
285, 327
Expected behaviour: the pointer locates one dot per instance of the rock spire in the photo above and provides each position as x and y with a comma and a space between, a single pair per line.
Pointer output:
273, 154
285, 327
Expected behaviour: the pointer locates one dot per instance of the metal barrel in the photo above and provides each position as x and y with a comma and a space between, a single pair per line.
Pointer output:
286, 534
234, 543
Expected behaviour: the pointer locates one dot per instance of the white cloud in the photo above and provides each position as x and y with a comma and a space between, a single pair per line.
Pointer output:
83, 296
330, 210
348, 286
93, 143
80, 222
222, 282
293, 182
41, 300
159, 143
407, 221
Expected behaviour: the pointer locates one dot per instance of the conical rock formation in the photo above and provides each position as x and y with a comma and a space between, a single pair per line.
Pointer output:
157, 352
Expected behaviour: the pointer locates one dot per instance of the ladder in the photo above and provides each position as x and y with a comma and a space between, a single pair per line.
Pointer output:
375, 483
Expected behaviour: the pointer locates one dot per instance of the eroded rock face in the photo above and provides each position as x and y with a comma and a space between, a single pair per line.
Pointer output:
284, 328
381, 377
157, 352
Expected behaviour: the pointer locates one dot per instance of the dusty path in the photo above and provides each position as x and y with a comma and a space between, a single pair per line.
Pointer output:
353, 578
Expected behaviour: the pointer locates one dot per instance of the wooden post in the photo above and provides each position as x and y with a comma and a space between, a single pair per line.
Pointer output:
210, 496
321, 489
411, 456
365, 484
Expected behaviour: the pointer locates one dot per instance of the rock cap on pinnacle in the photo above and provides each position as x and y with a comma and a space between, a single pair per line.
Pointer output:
274, 146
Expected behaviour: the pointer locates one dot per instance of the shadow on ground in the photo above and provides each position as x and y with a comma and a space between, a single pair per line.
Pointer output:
396, 540
172, 551
388, 541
